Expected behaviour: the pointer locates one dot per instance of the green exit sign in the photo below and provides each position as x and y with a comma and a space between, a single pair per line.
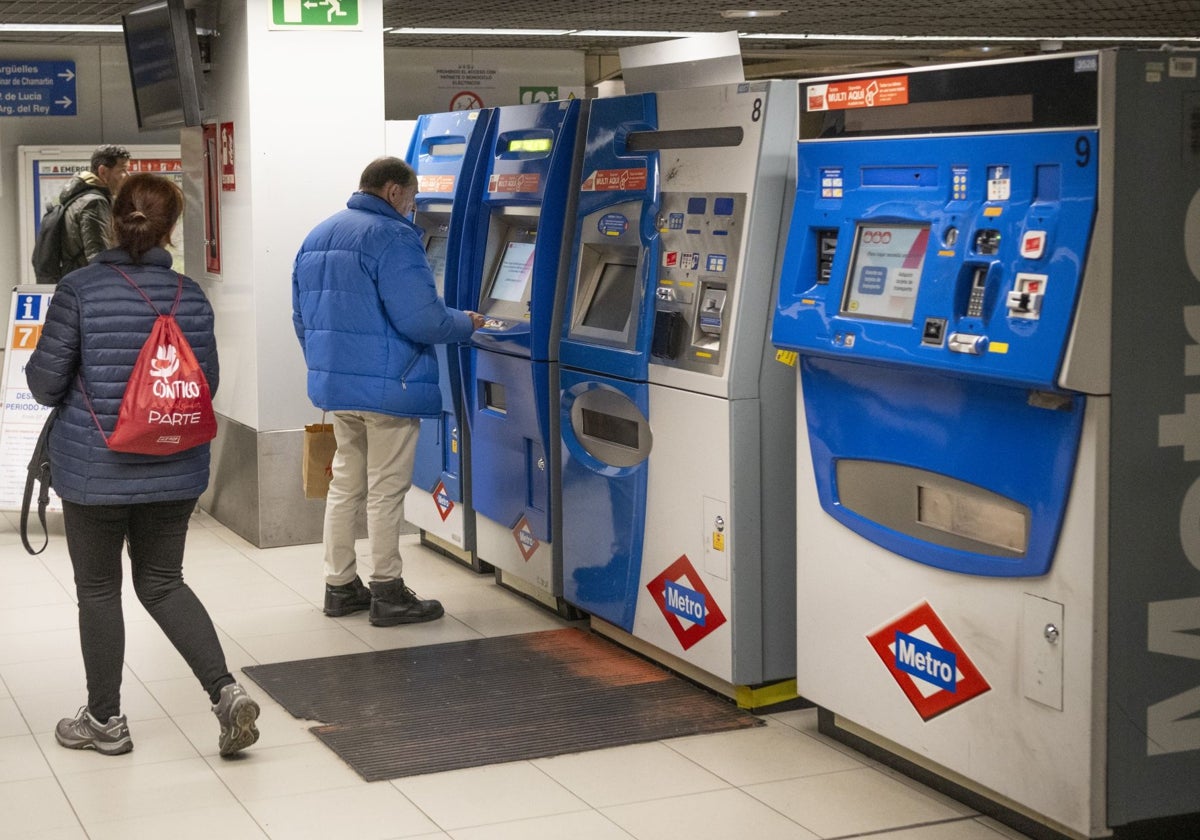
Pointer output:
314, 13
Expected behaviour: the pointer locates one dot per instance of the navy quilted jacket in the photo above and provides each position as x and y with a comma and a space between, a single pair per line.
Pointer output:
367, 313
96, 325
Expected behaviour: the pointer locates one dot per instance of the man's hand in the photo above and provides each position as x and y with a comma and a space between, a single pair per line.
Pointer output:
476, 319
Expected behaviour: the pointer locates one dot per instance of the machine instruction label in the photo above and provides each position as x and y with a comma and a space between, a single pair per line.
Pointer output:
604, 180
927, 662
856, 93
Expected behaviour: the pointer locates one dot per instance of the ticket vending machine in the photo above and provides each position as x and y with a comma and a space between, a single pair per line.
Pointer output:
515, 233
992, 282
439, 502
676, 418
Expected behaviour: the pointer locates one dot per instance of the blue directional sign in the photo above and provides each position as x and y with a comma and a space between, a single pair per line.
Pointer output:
33, 88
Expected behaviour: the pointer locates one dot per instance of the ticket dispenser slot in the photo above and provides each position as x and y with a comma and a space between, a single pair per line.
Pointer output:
710, 317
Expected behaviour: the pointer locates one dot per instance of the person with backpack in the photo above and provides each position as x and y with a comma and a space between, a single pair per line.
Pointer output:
96, 328
67, 243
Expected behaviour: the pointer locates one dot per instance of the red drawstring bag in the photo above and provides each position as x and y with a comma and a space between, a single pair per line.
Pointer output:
167, 406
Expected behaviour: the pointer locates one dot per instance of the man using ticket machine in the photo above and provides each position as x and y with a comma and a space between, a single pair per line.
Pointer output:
367, 314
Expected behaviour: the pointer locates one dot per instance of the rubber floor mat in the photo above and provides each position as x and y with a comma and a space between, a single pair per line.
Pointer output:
409, 711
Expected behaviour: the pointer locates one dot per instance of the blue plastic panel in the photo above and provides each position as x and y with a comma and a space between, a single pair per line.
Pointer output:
976, 432
602, 543
612, 175
438, 152
975, 194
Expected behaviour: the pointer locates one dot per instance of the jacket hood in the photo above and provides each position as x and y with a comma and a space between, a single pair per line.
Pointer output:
81, 182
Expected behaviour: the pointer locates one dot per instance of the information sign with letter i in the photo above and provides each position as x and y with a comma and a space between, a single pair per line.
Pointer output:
21, 417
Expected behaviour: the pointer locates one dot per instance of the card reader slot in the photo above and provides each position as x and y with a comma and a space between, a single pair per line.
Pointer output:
685, 138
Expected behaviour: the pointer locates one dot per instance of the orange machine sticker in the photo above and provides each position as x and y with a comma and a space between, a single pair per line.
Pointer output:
857, 93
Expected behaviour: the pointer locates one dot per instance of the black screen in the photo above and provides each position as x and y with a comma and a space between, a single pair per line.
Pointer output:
613, 298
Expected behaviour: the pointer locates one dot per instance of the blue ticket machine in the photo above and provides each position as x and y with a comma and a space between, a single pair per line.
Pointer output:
676, 418
515, 234
991, 283
439, 502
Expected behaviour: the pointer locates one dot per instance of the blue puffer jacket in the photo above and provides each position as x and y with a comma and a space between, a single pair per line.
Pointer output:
367, 313
96, 325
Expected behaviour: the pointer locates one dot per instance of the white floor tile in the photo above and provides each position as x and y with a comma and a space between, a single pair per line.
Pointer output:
579, 825
21, 759
766, 753
38, 808
11, 720
136, 791
634, 773
308, 644
229, 821
485, 795
718, 815
263, 772
960, 829
850, 802
371, 812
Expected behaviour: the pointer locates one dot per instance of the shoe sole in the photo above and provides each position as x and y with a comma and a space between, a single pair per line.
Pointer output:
343, 611
115, 748
392, 622
242, 732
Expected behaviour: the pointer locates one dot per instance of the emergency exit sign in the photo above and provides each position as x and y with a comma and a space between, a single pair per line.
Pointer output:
307, 14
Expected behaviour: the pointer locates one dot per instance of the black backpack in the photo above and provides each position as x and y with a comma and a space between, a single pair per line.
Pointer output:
48, 249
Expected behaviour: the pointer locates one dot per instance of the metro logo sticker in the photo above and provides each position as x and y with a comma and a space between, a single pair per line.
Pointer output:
857, 93
927, 662
442, 500
615, 179
527, 543
685, 602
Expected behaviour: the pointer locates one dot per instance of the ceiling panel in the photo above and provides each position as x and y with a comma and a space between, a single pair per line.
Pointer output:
1107, 21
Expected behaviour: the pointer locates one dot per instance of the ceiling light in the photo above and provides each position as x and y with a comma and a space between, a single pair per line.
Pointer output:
635, 33
753, 13
420, 30
60, 27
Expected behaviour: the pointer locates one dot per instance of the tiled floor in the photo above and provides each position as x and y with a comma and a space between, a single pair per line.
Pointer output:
783, 780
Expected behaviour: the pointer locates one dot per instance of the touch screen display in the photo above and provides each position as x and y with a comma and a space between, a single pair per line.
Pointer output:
611, 303
885, 272
513, 272
435, 252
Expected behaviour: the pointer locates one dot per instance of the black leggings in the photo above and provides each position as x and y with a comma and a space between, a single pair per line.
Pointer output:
156, 533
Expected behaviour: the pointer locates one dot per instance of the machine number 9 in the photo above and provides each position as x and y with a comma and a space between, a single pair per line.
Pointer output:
1083, 151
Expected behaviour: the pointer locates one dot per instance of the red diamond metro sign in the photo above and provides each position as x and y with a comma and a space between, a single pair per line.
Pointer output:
682, 597
442, 500
927, 662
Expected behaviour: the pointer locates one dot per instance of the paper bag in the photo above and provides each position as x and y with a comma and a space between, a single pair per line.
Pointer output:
317, 469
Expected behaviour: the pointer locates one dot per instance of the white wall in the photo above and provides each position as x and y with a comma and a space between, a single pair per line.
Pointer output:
104, 114
317, 121
427, 81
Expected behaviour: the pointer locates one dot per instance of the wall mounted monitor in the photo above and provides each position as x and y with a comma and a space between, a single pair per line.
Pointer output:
164, 64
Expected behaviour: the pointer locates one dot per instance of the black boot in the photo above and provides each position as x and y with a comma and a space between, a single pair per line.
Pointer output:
347, 598
394, 603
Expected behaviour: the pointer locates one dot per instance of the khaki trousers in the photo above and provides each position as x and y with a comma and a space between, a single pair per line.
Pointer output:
373, 465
